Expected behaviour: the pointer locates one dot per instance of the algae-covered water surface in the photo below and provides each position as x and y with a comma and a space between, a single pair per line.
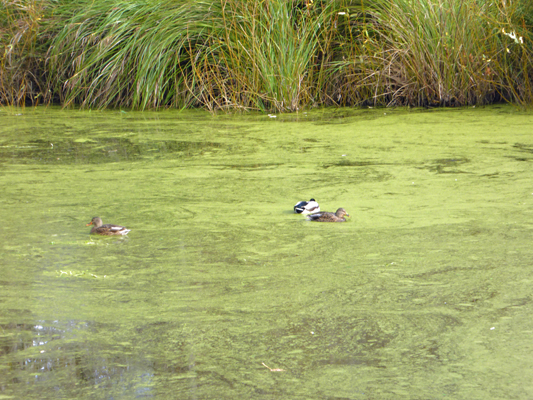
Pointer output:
221, 291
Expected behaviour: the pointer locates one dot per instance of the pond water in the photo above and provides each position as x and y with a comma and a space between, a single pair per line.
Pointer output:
221, 291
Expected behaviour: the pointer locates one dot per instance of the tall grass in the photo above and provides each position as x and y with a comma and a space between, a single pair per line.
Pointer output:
440, 52
271, 55
124, 53
222, 54
21, 61
266, 55
438, 55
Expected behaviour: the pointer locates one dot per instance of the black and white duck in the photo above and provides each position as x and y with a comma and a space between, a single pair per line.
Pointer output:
306, 207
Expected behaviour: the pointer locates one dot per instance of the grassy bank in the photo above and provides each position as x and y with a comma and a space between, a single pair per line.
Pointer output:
271, 55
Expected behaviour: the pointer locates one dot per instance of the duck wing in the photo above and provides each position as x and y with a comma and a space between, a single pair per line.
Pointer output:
318, 216
110, 229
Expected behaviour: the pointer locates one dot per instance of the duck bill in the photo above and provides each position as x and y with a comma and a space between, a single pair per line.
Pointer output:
90, 223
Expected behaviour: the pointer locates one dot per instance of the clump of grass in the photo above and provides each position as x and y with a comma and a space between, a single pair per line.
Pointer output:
21, 53
266, 55
438, 53
515, 57
123, 53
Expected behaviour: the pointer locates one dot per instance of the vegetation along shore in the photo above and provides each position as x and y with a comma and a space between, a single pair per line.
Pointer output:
269, 55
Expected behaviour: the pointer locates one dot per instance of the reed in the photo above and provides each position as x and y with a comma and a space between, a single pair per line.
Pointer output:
269, 55
439, 53
266, 55
125, 54
226, 54
21, 61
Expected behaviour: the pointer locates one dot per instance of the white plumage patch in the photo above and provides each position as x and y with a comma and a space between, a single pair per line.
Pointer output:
120, 229
307, 207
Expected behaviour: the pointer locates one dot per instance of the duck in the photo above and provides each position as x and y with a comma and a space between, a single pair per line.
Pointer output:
337, 216
306, 207
107, 229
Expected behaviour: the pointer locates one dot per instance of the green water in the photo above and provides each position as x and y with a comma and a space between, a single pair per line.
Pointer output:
425, 293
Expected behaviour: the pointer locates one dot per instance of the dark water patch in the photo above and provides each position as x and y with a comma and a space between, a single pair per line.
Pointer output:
448, 165
18, 337
348, 163
100, 150
451, 161
492, 175
252, 167
492, 142
523, 147
44, 351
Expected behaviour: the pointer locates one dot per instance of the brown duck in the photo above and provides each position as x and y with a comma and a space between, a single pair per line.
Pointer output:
107, 229
337, 216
